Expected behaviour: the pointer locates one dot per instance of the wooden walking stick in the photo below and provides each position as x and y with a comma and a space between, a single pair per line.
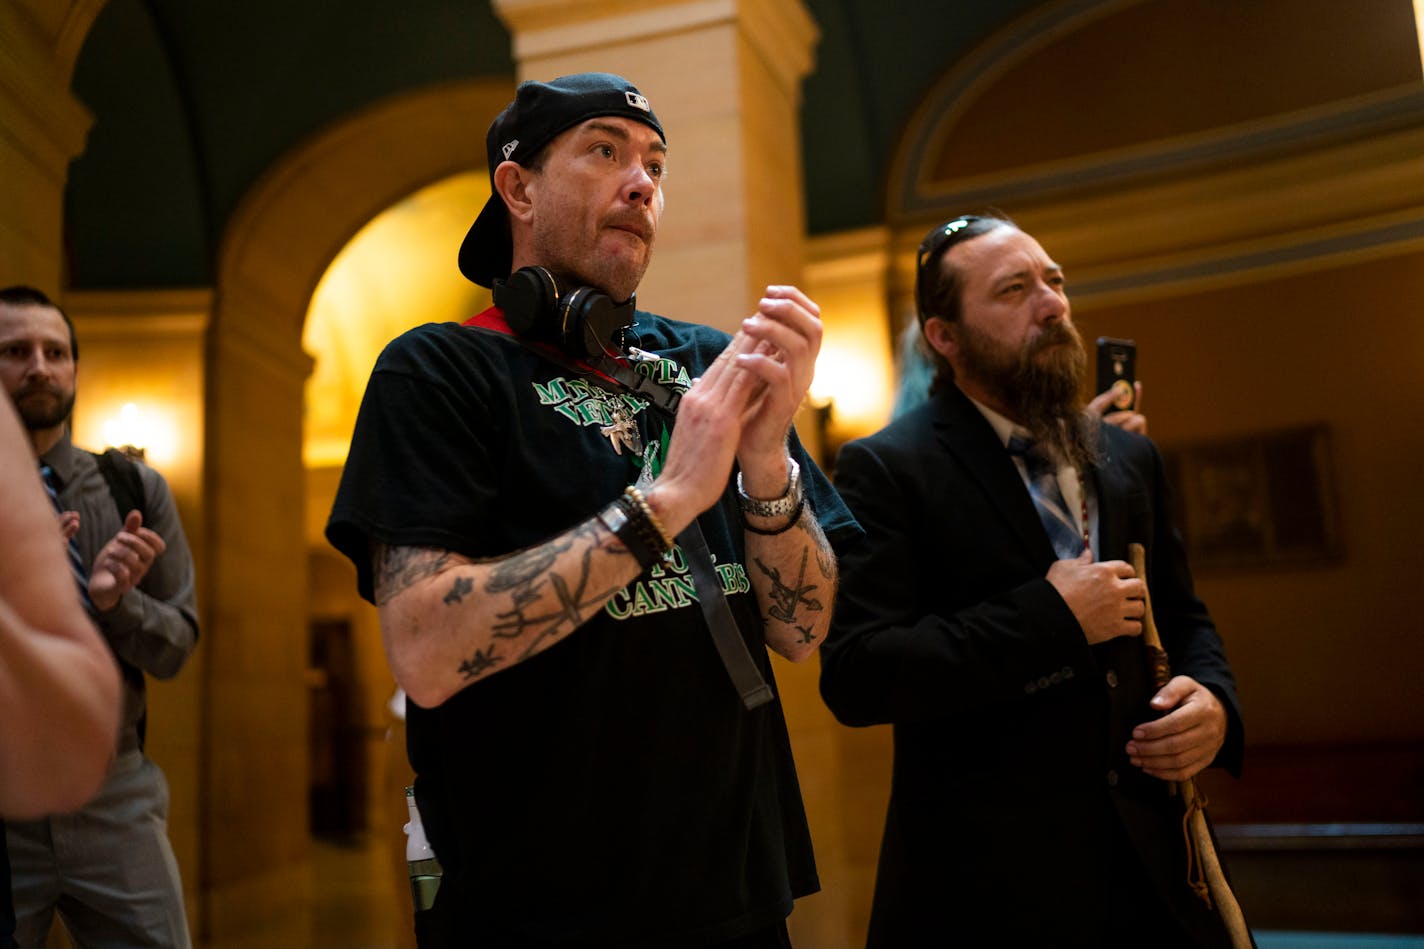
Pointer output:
1204, 873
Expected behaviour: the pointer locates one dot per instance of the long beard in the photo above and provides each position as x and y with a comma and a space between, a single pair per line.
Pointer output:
1041, 384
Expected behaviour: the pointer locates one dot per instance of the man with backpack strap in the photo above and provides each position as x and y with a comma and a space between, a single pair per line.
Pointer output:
108, 869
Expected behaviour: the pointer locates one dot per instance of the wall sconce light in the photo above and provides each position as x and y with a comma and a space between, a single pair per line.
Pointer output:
134, 431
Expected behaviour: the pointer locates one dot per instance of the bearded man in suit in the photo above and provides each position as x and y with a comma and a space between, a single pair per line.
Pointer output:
991, 618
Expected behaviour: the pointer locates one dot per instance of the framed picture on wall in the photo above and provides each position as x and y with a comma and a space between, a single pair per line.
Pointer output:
1261, 499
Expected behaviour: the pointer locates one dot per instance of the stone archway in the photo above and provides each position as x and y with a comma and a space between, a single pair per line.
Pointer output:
45, 127
275, 250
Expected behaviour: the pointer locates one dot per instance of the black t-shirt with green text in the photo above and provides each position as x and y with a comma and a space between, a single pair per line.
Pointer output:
611, 790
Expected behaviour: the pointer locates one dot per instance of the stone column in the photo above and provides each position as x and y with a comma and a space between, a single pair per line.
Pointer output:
724, 77
42, 128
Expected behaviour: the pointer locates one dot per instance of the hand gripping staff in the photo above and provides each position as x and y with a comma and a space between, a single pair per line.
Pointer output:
1204, 873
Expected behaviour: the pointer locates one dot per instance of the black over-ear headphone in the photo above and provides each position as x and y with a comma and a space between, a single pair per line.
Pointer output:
581, 321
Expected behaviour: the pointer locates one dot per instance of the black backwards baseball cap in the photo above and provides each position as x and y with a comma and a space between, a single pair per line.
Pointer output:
539, 112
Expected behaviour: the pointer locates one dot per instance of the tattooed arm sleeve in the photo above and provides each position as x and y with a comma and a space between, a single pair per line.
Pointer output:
794, 576
448, 620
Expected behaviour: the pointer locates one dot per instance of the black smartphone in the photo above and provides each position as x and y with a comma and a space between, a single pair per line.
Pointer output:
1117, 370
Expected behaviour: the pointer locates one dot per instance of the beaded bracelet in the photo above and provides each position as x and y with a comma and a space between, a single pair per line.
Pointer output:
658, 537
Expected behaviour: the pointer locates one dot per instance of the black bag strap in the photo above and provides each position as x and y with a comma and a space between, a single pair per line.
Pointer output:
726, 634
126, 488
125, 482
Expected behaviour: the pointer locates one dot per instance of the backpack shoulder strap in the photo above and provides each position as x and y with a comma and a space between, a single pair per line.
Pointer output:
125, 482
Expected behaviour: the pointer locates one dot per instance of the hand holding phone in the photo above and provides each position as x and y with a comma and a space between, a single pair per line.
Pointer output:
1117, 371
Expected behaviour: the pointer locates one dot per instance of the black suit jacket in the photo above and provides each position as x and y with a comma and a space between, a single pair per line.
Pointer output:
1014, 815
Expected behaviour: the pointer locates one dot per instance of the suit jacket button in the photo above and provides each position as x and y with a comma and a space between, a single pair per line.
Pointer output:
1030, 688
1112, 778
1043, 683
1112, 679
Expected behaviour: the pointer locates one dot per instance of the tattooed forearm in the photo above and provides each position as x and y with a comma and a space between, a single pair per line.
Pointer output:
571, 608
526, 566
397, 569
481, 662
786, 600
458, 590
530, 580
465, 619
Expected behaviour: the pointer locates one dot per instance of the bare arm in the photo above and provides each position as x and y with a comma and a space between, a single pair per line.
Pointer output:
59, 685
794, 575
448, 620
794, 571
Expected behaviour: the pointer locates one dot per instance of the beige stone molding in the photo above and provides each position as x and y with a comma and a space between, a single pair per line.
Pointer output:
1280, 138
1350, 200
41, 118
63, 24
781, 31
1354, 201
150, 314
848, 257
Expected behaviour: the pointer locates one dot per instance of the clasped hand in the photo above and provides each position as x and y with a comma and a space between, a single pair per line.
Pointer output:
741, 409
123, 562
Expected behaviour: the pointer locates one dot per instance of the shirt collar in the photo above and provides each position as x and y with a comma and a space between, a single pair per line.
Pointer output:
61, 457
1003, 426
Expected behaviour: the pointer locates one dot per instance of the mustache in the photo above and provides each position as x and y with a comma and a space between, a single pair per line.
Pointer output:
39, 388
1055, 334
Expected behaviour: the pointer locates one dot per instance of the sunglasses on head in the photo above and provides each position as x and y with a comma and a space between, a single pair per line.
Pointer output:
942, 237
936, 242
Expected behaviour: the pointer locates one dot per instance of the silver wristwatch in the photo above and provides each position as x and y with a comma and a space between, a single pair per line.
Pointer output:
783, 506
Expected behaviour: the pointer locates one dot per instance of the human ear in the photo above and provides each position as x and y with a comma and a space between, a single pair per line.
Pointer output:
940, 335
511, 183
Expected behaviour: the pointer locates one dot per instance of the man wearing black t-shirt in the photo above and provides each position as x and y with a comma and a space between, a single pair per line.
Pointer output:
587, 772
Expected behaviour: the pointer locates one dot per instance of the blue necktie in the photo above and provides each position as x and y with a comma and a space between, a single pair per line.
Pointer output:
1062, 528
76, 564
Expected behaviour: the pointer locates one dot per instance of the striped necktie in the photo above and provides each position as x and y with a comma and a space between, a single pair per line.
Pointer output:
1063, 531
76, 564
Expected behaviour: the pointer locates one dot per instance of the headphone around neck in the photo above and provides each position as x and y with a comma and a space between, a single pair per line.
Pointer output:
581, 321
